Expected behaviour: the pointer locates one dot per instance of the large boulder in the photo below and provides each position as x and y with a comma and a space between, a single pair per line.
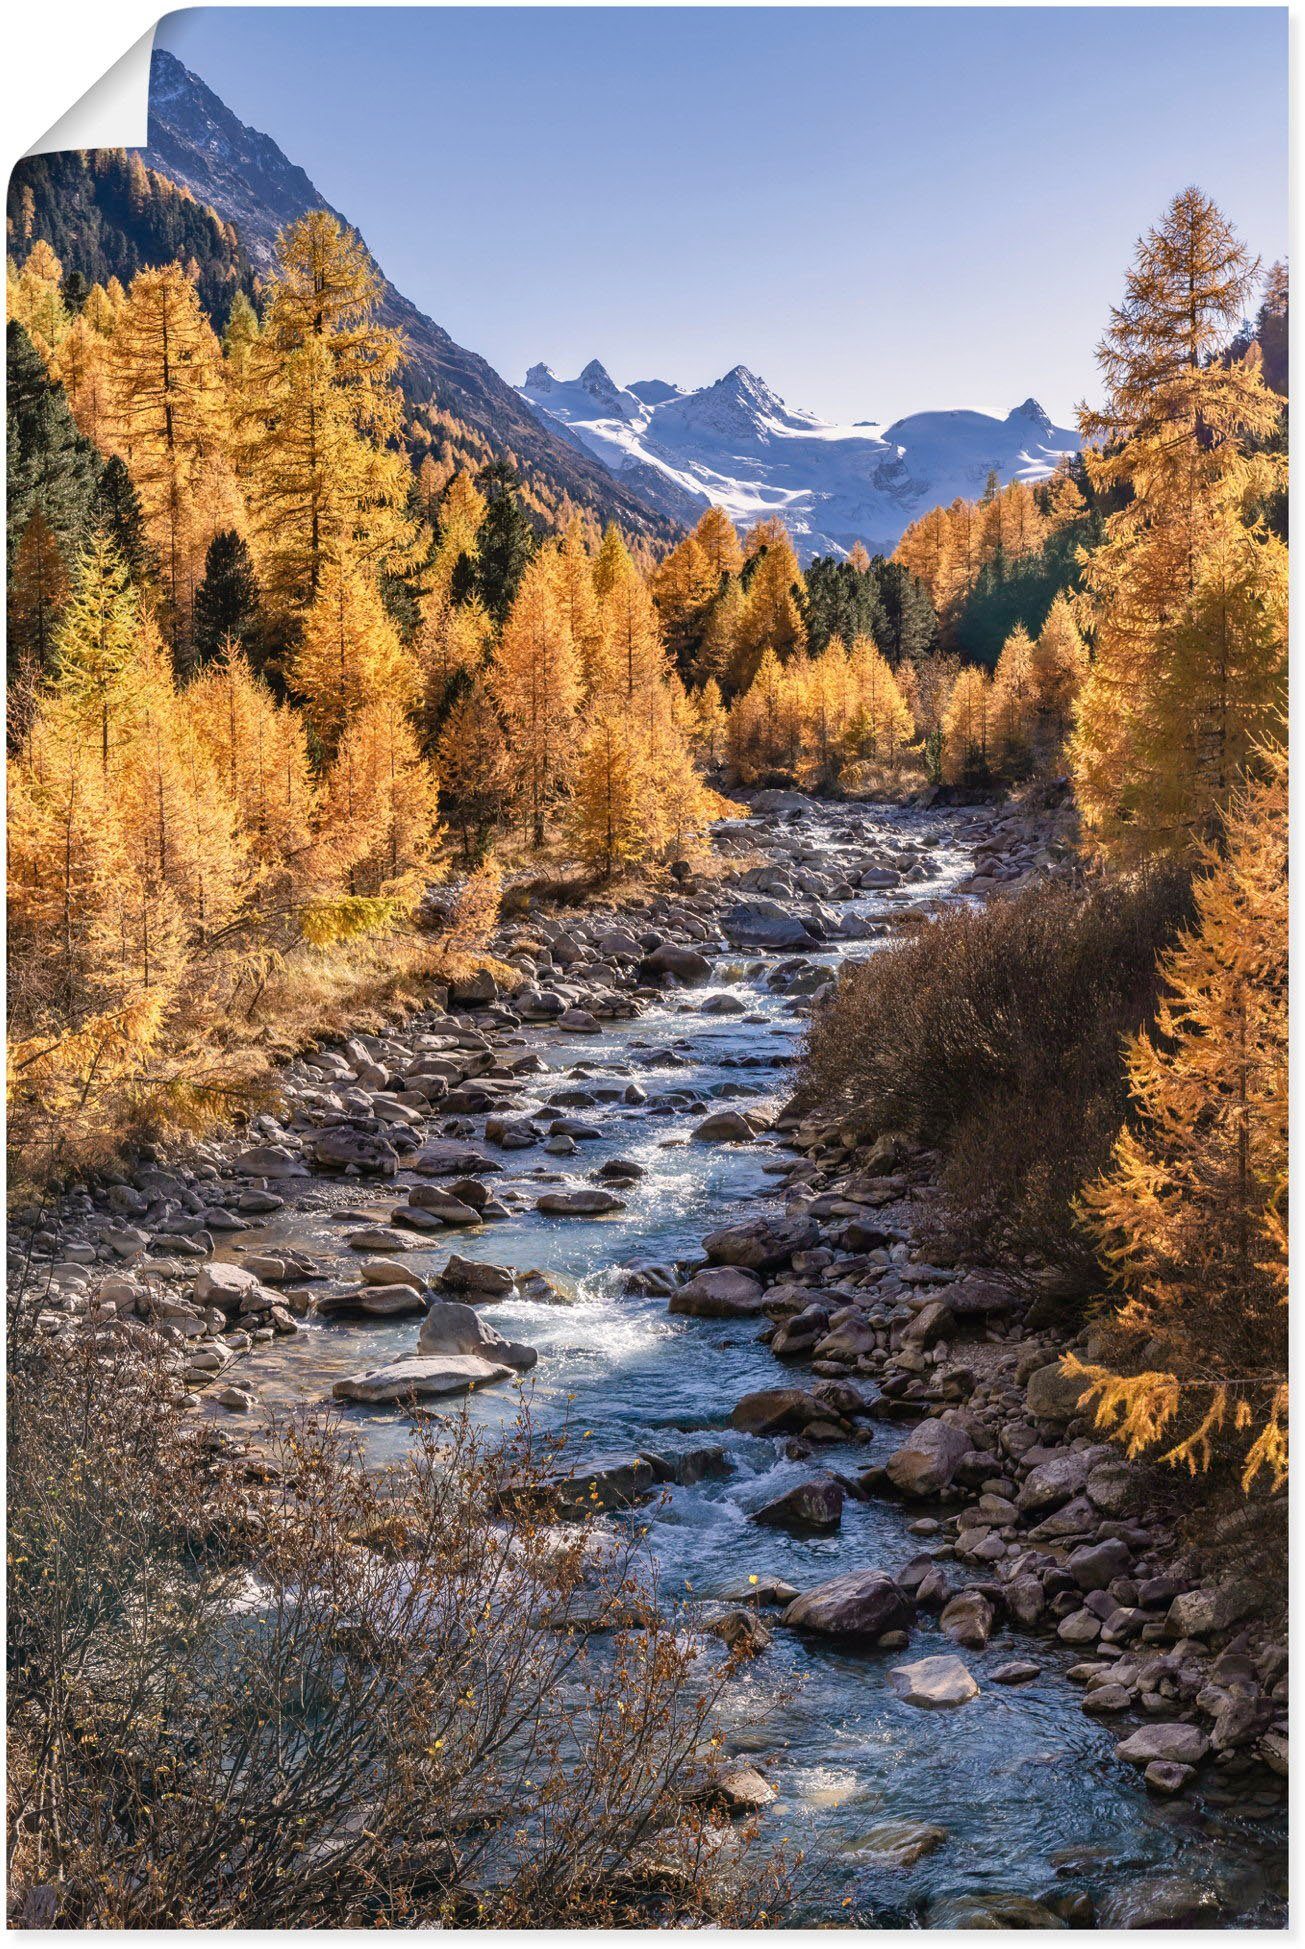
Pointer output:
763, 923
1196, 1613
269, 1161
1052, 1394
725, 1127
583, 1203
778, 1411
450, 1327
934, 1682
607, 1481
1171, 1739
366, 1151
762, 1244
968, 1619
475, 1276
444, 1159
684, 963
422, 1377
227, 1286
927, 1460
719, 1292
981, 1295
809, 1508
859, 1607
1056, 1480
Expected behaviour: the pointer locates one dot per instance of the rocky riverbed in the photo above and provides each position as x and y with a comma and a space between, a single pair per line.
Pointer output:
1014, 1701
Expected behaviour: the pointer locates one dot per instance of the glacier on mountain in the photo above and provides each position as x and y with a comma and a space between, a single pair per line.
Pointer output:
738, 444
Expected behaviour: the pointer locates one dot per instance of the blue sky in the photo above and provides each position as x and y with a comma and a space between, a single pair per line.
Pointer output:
880, 210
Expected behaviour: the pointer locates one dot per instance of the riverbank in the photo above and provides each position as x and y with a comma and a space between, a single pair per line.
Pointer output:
632, 1075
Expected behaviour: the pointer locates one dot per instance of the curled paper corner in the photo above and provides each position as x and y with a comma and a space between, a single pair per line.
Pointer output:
114, 113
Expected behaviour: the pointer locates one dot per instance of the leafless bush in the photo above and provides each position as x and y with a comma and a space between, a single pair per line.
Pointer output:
995, 1035
283, 1691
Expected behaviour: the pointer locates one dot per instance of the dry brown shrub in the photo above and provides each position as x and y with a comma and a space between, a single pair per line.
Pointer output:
995, 1036
279, 1690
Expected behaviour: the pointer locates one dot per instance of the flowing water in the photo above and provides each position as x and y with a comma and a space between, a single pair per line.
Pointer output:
1026, 1785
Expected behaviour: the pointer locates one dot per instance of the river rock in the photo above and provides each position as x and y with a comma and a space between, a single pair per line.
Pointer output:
443, 1205
762, 1244
935, 1681
476, 1276
422, 1377
1168, 1777
719, 1293
926, 1461
1163, 1901
1196, 1613
968, 1619
778, 1411
1052, 1394
378, 1238
993, 1911
389, 1272
607, 1481
586, 1202
442, 1159
365, 1150
227, 1286
764, 924
725, 1127
809, 1508
685, 963
901, 1843
1170, 1740
741, 1790
450, 1327
860, 1607
1096, 1565
1054, 1481
268, 1161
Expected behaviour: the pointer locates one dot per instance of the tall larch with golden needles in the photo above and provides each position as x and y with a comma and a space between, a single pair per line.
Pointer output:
536, 680
718, 539
168, 423
1060, 662
967, 728
349, 655
1191, 1215
320, 416
1014, 701
613, 801
380, 804
1186, 594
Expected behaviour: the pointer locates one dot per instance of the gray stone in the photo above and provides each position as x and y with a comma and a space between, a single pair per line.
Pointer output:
860, 1607
1052, 1394
1168, 1740
808, 1508
939, 1681
476, 1276
968, 1619
422, 1377
762, 1244
583, 1203
450, 1327
926, 1461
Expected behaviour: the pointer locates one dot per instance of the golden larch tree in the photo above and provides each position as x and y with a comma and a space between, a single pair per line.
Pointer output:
349, 655
1191, 1214
1186, 596
536, 681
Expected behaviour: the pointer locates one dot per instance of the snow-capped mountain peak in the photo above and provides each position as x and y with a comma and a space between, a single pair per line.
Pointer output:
737, 443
